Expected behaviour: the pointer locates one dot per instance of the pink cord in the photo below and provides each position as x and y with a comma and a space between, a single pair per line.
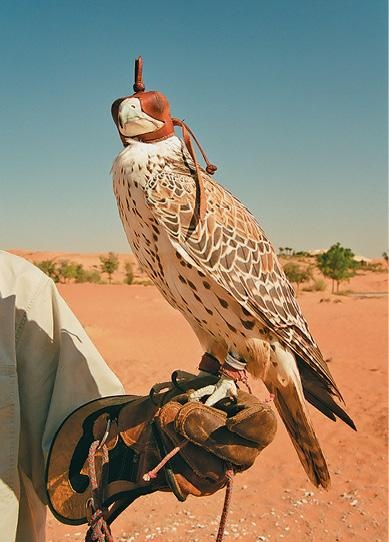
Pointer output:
153, 473
226, 505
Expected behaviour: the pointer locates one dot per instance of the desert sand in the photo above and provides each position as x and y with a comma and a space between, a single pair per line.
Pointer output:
143, 340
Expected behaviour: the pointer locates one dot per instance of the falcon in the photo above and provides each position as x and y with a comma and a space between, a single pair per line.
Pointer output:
211, 260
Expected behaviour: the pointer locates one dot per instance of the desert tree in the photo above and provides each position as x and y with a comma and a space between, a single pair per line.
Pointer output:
338, 264
109, 264
385, 256
296, 274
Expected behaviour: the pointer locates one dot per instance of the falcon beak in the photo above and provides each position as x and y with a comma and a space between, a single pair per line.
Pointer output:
133, 121
127, 114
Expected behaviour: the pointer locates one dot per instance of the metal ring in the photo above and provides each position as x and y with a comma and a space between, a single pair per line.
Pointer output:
179, 376
175, 377
90, 503
152, 396
105, 436
157, 389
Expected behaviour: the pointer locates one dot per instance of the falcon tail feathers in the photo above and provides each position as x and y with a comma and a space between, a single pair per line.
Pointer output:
327, 406
293, 413
318, 392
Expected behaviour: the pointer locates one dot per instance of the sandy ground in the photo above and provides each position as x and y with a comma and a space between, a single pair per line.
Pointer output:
143, 340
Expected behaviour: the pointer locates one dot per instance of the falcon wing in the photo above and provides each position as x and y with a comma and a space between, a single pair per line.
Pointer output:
230, 247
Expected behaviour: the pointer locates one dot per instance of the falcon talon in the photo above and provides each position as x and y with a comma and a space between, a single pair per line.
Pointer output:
231, 394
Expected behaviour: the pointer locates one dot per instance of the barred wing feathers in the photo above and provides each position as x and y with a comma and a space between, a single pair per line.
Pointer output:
230, 248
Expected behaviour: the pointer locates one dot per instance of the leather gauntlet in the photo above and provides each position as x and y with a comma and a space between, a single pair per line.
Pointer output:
193, 446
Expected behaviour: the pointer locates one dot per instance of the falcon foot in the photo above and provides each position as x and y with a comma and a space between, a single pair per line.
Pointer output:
225, 387
230, 372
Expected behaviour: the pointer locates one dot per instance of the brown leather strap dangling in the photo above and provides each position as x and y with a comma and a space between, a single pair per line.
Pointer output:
211, 168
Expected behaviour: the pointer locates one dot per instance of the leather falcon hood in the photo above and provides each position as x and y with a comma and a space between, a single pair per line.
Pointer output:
153, 103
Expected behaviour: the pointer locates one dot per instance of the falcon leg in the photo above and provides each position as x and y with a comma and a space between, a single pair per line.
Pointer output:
230, 372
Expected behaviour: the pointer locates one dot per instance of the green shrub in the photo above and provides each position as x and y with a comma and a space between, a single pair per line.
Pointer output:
129, 278
370, 266
93, 276
80, 274
67, 270
319, 285
84, 275
49, 267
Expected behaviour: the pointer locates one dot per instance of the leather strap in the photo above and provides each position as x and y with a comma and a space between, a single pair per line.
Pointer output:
209, 364
211, 168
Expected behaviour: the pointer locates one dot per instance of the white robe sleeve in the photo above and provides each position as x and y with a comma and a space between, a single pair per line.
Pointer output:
48, 367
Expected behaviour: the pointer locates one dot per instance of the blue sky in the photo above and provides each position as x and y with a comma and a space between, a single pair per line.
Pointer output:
287, 97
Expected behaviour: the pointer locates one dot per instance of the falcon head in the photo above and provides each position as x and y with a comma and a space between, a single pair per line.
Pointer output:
144, 115
133, 121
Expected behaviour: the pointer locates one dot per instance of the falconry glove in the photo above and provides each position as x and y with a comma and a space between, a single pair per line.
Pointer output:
112, 450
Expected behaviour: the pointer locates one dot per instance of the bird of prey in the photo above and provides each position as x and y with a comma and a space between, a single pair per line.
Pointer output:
211, 260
